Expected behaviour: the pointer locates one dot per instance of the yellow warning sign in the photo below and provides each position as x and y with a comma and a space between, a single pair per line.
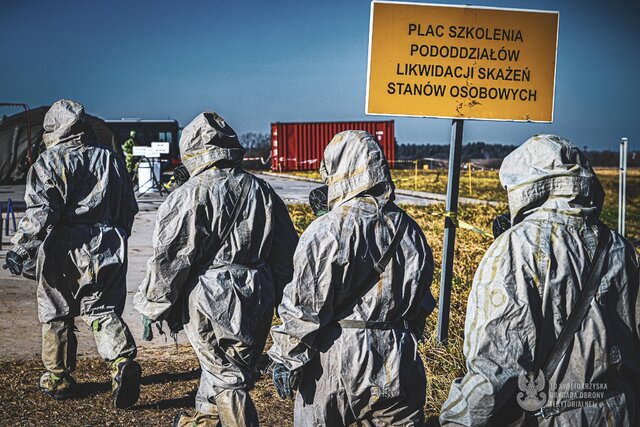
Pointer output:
461, 62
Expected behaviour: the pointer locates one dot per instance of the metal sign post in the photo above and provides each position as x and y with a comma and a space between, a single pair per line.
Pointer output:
622, 187
453, 186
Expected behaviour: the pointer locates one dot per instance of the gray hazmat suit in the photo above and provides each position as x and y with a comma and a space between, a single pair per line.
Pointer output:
348, 372
80, 210
524, 290
223, 291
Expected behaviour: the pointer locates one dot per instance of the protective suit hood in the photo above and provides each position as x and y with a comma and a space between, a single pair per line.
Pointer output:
548, 171
64, 122
355, 163
208, 139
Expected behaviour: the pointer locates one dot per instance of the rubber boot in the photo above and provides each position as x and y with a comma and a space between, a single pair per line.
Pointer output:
57, 387
198, 419
126, 375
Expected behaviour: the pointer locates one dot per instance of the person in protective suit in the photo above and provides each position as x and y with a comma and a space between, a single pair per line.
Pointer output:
355, 309
80, 208
524, 291
223, 251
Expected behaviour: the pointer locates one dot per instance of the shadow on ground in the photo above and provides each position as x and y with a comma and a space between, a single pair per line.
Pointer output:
169, 384
170, 380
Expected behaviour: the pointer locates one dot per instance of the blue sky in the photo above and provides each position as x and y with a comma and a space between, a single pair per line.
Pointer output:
263, 61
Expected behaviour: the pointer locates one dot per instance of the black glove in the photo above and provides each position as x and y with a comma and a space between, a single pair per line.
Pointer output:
147, 333
319, 200
13, 262
181, 175
501, 224
285, 381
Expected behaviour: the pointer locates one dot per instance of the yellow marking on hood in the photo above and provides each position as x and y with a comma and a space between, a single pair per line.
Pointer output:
335, 178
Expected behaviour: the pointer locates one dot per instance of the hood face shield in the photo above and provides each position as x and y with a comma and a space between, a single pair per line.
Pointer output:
353, 164
318, 200
208, 140
500, 224
63, 122
181, 175
549, 171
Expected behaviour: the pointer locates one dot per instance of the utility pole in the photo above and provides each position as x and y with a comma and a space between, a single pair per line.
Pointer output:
622, 187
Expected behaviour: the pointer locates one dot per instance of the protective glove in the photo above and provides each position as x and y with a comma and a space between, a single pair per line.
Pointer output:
285, 381
501, 224
181, 175
147, 333
13, 262
319, 200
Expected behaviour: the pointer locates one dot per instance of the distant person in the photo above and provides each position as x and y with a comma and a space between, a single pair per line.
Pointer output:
356, 307
551, 333
127, 148
80, 210
223, 251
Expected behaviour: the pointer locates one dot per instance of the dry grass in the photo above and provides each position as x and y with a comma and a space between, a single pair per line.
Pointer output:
483, 185
444, 364
609, 179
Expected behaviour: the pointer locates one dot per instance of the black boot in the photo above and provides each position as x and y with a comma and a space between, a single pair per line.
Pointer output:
126, 375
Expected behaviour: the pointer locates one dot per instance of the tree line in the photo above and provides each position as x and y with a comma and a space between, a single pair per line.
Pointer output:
484, 151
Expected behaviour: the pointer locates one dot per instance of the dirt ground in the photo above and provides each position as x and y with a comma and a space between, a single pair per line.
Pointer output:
170, 380
169, 383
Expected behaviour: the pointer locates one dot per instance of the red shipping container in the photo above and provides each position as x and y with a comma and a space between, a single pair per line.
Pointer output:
300, 146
